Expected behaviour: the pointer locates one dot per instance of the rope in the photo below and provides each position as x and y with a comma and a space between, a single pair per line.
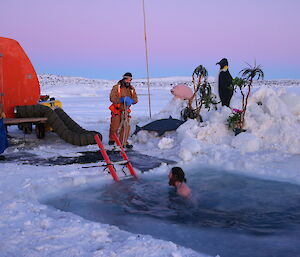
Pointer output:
124, 124
147, 63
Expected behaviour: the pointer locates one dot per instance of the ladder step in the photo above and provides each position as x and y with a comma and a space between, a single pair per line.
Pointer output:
109, 163
120, 162
124, 155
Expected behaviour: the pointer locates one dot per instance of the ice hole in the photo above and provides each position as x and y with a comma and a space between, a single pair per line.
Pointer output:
227, 215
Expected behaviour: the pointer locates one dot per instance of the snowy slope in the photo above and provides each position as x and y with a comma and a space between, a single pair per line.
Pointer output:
48, 80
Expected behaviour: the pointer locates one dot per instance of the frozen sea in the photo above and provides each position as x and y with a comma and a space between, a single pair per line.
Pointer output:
246, 188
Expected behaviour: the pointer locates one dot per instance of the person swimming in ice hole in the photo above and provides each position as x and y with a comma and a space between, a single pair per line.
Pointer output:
178, 180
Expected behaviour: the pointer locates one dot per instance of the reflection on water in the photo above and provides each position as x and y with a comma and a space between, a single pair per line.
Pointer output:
228, 214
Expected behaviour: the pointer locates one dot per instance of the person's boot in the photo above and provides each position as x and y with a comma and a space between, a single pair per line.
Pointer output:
111, 145
129, 146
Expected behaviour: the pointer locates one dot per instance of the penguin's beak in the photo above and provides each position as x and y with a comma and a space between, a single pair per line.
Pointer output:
218, 63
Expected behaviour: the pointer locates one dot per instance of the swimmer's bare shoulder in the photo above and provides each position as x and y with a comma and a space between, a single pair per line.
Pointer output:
183, 190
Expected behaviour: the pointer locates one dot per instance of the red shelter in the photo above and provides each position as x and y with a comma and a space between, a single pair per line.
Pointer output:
19, 84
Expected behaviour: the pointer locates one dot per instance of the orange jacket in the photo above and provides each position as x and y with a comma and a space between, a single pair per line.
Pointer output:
116, 93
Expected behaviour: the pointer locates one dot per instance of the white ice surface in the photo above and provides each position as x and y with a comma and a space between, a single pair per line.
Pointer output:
269, 149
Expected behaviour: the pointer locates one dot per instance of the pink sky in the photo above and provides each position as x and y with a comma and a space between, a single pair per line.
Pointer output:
104, 39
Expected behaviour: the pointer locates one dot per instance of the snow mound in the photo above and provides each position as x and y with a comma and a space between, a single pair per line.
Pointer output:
272, 123
274, 117
166, 143
246, 142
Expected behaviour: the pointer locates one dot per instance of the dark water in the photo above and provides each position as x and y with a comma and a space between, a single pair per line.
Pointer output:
140, 161
228, 214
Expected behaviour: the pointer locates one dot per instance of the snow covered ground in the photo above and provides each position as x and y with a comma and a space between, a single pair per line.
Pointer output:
270, 149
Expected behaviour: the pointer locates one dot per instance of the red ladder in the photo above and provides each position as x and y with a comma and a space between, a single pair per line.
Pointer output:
111, 164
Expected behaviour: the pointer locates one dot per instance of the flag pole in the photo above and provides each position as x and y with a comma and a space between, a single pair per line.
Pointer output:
147, 63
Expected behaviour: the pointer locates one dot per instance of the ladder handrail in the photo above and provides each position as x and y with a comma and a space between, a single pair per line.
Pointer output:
124, 155
111, 164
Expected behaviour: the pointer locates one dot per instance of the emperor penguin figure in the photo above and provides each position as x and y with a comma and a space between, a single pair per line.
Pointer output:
225, 83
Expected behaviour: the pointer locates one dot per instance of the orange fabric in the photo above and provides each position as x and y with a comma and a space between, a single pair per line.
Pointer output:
116, 107
117, 110
19, 84
115, 122
117, 92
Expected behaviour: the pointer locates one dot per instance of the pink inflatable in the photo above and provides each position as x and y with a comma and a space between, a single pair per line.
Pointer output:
182, 91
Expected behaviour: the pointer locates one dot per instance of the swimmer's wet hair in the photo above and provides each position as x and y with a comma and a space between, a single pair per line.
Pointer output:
178, 174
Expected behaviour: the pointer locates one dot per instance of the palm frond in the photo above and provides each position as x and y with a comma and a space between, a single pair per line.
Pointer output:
200, 71
252, 72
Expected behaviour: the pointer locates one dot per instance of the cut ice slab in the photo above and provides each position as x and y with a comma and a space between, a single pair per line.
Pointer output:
161, 126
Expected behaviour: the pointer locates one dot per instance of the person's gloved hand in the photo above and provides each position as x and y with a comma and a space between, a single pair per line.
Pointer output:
128, 100
122, 100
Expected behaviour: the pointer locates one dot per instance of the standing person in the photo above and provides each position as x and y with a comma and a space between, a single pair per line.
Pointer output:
122, 96
225, 83
178, 180
3, 136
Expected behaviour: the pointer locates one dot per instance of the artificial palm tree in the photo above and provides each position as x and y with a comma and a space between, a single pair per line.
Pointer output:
237, 120
199, 73
203, 89
248, 74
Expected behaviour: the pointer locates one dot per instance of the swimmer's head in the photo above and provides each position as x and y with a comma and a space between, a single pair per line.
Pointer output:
176, 175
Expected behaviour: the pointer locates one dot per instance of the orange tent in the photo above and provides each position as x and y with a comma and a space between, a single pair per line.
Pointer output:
19, 84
